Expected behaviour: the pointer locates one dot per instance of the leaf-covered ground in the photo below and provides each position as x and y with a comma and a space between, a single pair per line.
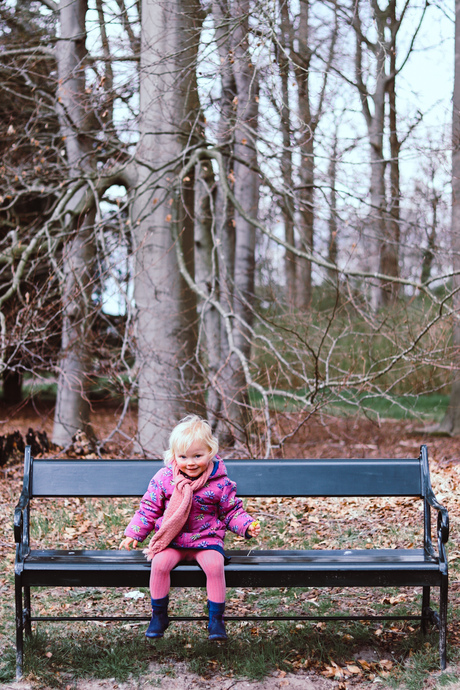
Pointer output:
269, 655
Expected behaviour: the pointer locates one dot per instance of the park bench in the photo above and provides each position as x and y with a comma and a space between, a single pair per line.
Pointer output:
411, 567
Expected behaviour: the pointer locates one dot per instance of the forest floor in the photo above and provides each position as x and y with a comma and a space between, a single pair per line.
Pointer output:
261, 657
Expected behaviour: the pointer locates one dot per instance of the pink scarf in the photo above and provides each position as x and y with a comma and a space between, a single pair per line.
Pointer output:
178, 510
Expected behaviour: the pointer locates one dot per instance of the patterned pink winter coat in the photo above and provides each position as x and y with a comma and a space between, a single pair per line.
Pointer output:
215, 509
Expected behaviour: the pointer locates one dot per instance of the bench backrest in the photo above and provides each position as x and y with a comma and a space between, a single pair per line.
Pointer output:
328, 477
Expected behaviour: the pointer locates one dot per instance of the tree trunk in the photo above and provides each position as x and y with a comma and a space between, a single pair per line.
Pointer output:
72, 406
429, 251
332, 244
451, 422
298, 47
389, 253
240, 290
207, 280
288, 206
377, 215
166, 307
375, 120
224, 211
307, 165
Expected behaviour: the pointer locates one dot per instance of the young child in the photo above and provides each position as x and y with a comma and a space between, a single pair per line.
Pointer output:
190, 503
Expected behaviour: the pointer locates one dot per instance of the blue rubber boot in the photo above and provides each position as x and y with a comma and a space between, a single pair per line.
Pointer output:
216, 624
160, 620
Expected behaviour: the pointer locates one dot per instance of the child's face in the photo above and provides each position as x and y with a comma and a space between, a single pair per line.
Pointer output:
195, 459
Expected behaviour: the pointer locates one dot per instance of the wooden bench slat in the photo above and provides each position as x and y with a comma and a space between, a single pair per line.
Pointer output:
249, 555
263, 478
369, 567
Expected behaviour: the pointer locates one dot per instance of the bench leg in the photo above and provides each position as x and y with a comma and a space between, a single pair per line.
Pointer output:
425, 608
27, 612
443, 621
19, 629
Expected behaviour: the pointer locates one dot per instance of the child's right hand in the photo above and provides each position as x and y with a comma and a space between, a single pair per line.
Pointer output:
127, 543
254, 529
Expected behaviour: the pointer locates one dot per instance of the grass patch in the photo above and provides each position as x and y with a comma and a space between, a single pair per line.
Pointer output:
396, 651
7, 665
403, 658
419, 663
244, 655
447, 679
432, 406
63, 652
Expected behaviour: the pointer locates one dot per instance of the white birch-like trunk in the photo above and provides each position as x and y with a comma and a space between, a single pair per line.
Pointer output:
377, 221
166, 307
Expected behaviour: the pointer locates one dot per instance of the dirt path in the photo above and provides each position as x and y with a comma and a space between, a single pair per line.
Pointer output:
184, 680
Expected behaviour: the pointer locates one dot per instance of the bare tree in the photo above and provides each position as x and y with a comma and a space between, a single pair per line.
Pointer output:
205, 154
378, 102
162, 210
28, 175
300, 117
72, 407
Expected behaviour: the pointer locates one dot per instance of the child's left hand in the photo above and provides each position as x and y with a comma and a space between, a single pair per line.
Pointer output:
254, 529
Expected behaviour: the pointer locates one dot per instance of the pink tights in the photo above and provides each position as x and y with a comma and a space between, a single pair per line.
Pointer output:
211, 561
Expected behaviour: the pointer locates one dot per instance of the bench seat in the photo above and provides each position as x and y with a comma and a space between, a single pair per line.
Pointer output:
325, 568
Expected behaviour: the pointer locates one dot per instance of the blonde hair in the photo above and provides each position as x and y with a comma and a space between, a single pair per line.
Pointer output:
190, 430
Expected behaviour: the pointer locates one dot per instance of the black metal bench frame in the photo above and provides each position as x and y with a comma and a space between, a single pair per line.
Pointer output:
414, 567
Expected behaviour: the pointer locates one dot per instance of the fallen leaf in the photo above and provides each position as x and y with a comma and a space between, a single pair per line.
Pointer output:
354, 669
386, 664
365, 664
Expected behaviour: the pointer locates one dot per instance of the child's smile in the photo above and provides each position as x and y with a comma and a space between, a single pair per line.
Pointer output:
195, 460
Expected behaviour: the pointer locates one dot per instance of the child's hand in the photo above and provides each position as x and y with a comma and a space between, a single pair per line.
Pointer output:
127, 543
254, 529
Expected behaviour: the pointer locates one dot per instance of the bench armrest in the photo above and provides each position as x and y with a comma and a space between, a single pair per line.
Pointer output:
432, 502
443, 516
18, 525
22, 509
20, 534
442, 527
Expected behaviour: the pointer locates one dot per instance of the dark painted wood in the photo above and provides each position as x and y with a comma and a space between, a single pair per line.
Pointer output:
339, 477
358, 568
392, 557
